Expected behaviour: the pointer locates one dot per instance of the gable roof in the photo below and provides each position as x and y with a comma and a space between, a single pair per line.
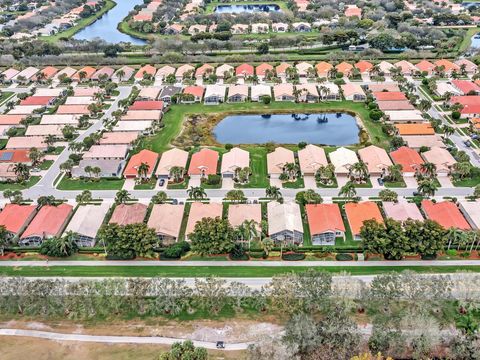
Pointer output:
49, 221
203, 162
145, 156
239, 213
376, 158
262, 68
402, 211
283, 217
87, 219
277, 159
166, 219
199, 210
171, 158
324, 218
357, 213
148, 69
446, 213
14, 217
311, 158
234, 159
244, 69
408, 158
415, 129
126, 214
364, 66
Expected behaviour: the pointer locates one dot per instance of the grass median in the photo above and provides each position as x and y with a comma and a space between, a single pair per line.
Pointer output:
220, 271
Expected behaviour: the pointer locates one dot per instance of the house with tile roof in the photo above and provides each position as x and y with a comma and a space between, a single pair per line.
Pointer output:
325, 223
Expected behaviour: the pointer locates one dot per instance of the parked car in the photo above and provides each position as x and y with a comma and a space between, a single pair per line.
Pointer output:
467, 143
162, 182
220, 345
380, 181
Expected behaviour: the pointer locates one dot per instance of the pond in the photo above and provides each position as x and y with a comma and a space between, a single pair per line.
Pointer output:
105, 28
322, 128
236, 9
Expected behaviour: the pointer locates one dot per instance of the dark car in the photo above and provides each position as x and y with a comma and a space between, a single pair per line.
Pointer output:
220, 345
162, 182
380, 181
467, 143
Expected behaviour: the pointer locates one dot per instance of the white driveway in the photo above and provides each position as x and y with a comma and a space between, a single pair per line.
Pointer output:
411, 182
374, 181
445, 181
310, 182
275, 182
195, 181
342, 180
228, 183
129, 184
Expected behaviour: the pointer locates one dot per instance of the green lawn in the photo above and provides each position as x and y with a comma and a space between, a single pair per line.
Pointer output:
150, 185
4, 96
397, 184
83, 23
223, 271
468, 182
173, 119
20, 186
298, 184
102, 184
45, 165
258, 165
182, 185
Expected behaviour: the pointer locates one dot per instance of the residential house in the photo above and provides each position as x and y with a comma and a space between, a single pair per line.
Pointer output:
166, 220
285, 223
85, 223
376, 159
343, 159
402, 211
470, 210
307, 93
311, 158
409, 159
199, 211
203, 163
237, 93
145, 156
353, 92
171, 158
277, 160
192, 94
446, 213
284, 92
15, 218
325, 223
214, 94
233, 160
358, 213
244, 70
259, 91
323, 69
441, 158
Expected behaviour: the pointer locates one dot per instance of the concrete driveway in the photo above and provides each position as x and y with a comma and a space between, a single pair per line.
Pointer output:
310, 182
228, 183
445, 181
411, 182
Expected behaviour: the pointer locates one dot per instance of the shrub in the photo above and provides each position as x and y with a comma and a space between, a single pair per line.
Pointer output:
238, 253
54, 247
451, 252
125, 255
429, 256
293, 256
213, 179
228, 147
465, 254
266, 99
456, 115
343, 257
257, 255
176, 250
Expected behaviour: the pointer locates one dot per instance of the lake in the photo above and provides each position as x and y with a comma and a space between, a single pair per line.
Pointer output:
105, 28
323, 128
236, 9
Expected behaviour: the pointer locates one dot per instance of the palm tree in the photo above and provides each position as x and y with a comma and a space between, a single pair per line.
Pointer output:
428, 169
196, 193
120, 74
325, 174
67, 167
248, 230
462, 169
273, 192
395, 172
96, 171
427, 187
50, 140
82, 75
235, 196
177, 172
292, 170
88, 170
66, 243
447, 131
454, 236
35, 156
142, 170
359, 171
22, 171
424, 105
122, 197
160, 198
348, 190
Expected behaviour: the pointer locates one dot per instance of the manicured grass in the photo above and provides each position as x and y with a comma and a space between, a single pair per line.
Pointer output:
126, 29
397, 184
468, 182
83, 23
101, 184
298, 184
467, 39
4, 96
173, 119
20, 186
258, 165
182, 185
45, 165
223, 271
150, 185
368, 184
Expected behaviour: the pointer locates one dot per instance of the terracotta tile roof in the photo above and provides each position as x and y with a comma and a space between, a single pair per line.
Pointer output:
395, 105
357, 213
203, 162
144, 156
204, 69
89, 71
466, 86
323, 218
37, 100
280, 69
323, 68
14, 217
425, 65
389, 96
196, 91
364, 66
415, 129
238, 213
49, 72
262, 68
147, 105
126, 214
166, 219
244, 69
448, 65
408, 158
49, 221
199, 210
14, 156
402, 211
149, 69
446, 213
11, 119
344, 67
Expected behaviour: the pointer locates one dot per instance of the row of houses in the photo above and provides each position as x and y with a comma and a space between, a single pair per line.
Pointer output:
326, 222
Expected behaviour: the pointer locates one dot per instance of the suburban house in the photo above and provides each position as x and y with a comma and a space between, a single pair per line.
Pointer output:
127, 214
84, 73
259, 91
166, 220
105, 72
365, 67
145, 156
329, 91
404, 116
344, 68
260, 28
311, 158
343, 159
420, 129
15, 218
406, 67
385, 68
446, 213
171, 158
86, 222
470, 67
280, 27
235, 159
303, 69
168, 92
223, 70
277, 160
357, 213
425, 66
307, 93
149, 93
325, 223
323, 69
353, 92
409, 159
125, 73
285, 223
262, 69
197, 29
239, 213
301, 27
203, 70
441, 158
376, 159
203, 163
471, 212
238, 29
164, 71
49, 222
283, 92
237, 93
184, 71
214, 95
200, 210
447, 66
281, 69
192, 94
97, 152
402, 210
244, 70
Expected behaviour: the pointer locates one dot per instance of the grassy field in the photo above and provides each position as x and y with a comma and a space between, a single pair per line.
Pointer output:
258, 165
4, 96
102, 184
223, 271
173, 119
83, 23
45, 165
17, 186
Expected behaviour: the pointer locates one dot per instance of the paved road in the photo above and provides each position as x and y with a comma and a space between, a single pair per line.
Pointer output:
115, 339
345, 264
